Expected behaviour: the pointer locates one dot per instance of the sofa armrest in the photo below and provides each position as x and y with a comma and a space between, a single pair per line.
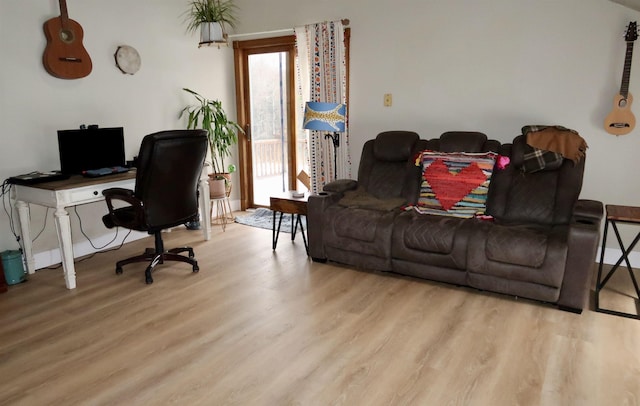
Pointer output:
316, 206
582, 244
340, 186
588, 211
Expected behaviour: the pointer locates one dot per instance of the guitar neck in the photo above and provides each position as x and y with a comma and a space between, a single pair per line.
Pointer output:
624, 87
64, 15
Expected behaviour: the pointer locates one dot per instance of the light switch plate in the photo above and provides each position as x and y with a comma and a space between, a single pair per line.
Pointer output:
388, 100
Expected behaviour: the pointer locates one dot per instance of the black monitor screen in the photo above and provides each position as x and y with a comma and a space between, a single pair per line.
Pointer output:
93, 148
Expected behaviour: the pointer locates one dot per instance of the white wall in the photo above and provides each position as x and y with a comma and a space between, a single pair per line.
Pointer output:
491, 66
34, 105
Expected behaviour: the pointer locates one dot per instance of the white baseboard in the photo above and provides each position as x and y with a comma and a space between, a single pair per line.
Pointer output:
52, 257
612, 255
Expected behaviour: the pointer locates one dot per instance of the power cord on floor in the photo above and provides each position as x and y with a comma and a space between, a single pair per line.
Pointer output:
99, 250
5, 191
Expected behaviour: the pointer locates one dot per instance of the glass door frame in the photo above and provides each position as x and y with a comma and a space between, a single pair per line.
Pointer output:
242, 50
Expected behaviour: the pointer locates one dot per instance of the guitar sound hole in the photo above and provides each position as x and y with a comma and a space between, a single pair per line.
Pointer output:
66, 36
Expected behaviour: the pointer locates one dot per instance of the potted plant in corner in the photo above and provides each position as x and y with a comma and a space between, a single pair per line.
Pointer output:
222, 133
210, 16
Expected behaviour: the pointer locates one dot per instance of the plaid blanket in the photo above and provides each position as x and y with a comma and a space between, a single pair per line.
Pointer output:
538, 159
547, 146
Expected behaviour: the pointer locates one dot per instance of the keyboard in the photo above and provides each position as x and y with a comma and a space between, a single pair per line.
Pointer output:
36, 177
94, 173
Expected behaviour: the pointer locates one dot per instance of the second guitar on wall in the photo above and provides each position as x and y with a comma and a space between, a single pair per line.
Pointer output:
621, 120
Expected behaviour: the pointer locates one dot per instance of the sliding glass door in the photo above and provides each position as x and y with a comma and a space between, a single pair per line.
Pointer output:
270, 154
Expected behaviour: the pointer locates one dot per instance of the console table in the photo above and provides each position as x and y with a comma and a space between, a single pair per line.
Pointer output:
615, 215
75, 191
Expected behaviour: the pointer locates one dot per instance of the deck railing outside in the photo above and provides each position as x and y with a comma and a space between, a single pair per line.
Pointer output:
268, 156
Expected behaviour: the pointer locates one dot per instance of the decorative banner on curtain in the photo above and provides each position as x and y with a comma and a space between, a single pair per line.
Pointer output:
322, 78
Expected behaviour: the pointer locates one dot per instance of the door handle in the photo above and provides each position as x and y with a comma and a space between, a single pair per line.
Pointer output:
247, 131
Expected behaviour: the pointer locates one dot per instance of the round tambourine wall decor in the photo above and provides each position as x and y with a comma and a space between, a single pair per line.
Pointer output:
127, 59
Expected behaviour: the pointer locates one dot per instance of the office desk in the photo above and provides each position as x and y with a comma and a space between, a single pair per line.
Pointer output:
75, 191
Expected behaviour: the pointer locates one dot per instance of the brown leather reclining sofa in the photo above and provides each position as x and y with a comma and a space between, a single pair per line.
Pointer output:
540, 243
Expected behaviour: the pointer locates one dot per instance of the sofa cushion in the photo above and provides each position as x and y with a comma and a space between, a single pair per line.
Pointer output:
525, 253
357, 224
454, 184
359, 198
516, 245
440, 241
544, 197
358, 237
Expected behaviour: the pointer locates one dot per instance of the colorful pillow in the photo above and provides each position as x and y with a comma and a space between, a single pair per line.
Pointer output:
454, 184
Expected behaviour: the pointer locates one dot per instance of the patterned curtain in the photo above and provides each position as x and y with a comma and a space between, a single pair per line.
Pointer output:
322, 77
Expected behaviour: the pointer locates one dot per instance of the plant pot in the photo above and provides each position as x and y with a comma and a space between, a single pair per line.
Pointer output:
227, 183
211, 32
217, 187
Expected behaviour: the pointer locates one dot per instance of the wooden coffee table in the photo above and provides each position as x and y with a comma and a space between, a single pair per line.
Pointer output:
285, 203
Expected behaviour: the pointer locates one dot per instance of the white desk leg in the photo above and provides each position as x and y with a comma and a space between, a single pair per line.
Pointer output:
25, 233
63, 226
205, 209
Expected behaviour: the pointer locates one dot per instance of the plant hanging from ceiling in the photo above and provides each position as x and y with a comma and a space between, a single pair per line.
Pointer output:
201, 12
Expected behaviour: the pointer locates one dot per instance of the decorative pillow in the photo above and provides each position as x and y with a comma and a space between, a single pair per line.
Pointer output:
454, 184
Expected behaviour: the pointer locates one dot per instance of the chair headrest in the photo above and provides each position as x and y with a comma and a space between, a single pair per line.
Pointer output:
462, 141
394, 146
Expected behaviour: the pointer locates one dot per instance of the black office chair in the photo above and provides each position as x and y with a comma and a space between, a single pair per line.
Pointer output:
168, 172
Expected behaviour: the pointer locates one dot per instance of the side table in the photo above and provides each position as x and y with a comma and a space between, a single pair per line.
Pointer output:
615, 215
296, 206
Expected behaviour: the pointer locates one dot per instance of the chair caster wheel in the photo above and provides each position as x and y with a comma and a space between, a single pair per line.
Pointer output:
196, 268
118, 270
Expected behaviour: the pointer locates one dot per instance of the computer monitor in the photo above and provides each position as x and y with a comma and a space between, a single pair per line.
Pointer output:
91, 148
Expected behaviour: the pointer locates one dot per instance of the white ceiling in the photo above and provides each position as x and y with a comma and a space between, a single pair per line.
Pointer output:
633, 4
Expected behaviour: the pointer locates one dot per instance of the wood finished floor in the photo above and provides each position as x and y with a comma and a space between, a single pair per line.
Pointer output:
257, 327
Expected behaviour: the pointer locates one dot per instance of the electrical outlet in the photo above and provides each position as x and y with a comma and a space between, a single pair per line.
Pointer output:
388, 100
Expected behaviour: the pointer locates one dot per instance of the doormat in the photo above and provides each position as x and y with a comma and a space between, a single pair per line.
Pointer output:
263, 218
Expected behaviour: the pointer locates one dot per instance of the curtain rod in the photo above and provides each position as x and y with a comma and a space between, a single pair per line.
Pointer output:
345, 22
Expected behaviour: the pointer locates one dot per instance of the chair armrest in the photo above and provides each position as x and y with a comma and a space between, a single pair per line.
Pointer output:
117, 191
340, 186
129, 216
125, 195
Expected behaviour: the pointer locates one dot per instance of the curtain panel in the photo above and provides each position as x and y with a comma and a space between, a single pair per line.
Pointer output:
322, 77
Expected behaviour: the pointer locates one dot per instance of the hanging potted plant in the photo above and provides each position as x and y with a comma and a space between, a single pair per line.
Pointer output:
222, 133
211, 16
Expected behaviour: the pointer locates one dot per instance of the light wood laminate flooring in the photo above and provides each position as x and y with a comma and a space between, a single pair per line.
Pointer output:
257, 327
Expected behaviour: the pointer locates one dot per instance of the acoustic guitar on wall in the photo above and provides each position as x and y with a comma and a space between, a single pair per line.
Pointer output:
621, 120
64, 56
